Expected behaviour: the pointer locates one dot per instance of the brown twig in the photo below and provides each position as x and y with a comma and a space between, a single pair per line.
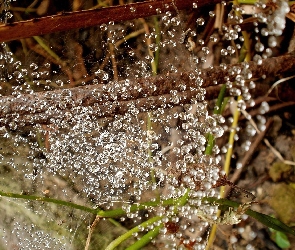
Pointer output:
55, 106
89, 18
91, 229
144, 94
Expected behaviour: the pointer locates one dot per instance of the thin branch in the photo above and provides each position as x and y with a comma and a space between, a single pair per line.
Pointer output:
89, 18
90, 231
139, 95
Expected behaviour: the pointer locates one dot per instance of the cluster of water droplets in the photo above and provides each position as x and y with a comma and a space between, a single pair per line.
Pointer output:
5, 14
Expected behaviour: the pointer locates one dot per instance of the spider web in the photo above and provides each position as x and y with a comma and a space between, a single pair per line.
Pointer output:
109, 162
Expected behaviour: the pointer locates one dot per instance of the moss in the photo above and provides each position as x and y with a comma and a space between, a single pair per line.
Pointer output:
283, 202
280, 171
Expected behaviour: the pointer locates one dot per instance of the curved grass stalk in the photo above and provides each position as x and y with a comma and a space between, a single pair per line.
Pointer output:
231, 141
158, 40
144, 240
105, 214
273, 86
50, 200
221, 102
129, 36
130, 233
136, 207
226, 169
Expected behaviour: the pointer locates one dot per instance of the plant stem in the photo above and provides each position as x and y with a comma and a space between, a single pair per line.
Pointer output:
101, 213
210, 144
158, 40
128, 234
129, 36
25, 108
135, 207
144, 240
217, 110
90, 18
50, 200
220, 100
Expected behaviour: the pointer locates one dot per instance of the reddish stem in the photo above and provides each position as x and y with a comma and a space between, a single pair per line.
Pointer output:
88, 18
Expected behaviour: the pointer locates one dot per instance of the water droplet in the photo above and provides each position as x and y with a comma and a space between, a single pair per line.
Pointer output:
8, 15
264, 32
103, 27
17, 74
235, 92
59, 83
237, 28
259, 47
231, 50
201, 41
17, 64
268, 52
213, 38
205, 50
257, 59
200, 21
223, 52
264, 108
33, 66
175, 21
272, 41
211, 13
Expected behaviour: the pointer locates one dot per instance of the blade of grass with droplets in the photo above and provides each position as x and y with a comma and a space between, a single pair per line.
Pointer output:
134, 230
217, 110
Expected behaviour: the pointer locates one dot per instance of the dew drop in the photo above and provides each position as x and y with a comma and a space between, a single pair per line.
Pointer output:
264, 108
213, 38
258, 59
200, 21
33, 66
103, 27
272, 41
211, 13
223, 52
259, 47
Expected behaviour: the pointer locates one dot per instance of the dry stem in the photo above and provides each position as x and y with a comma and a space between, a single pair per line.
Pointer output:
116, 98
89, 18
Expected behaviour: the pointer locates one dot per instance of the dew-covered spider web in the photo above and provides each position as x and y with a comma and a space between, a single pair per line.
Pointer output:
126, 158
